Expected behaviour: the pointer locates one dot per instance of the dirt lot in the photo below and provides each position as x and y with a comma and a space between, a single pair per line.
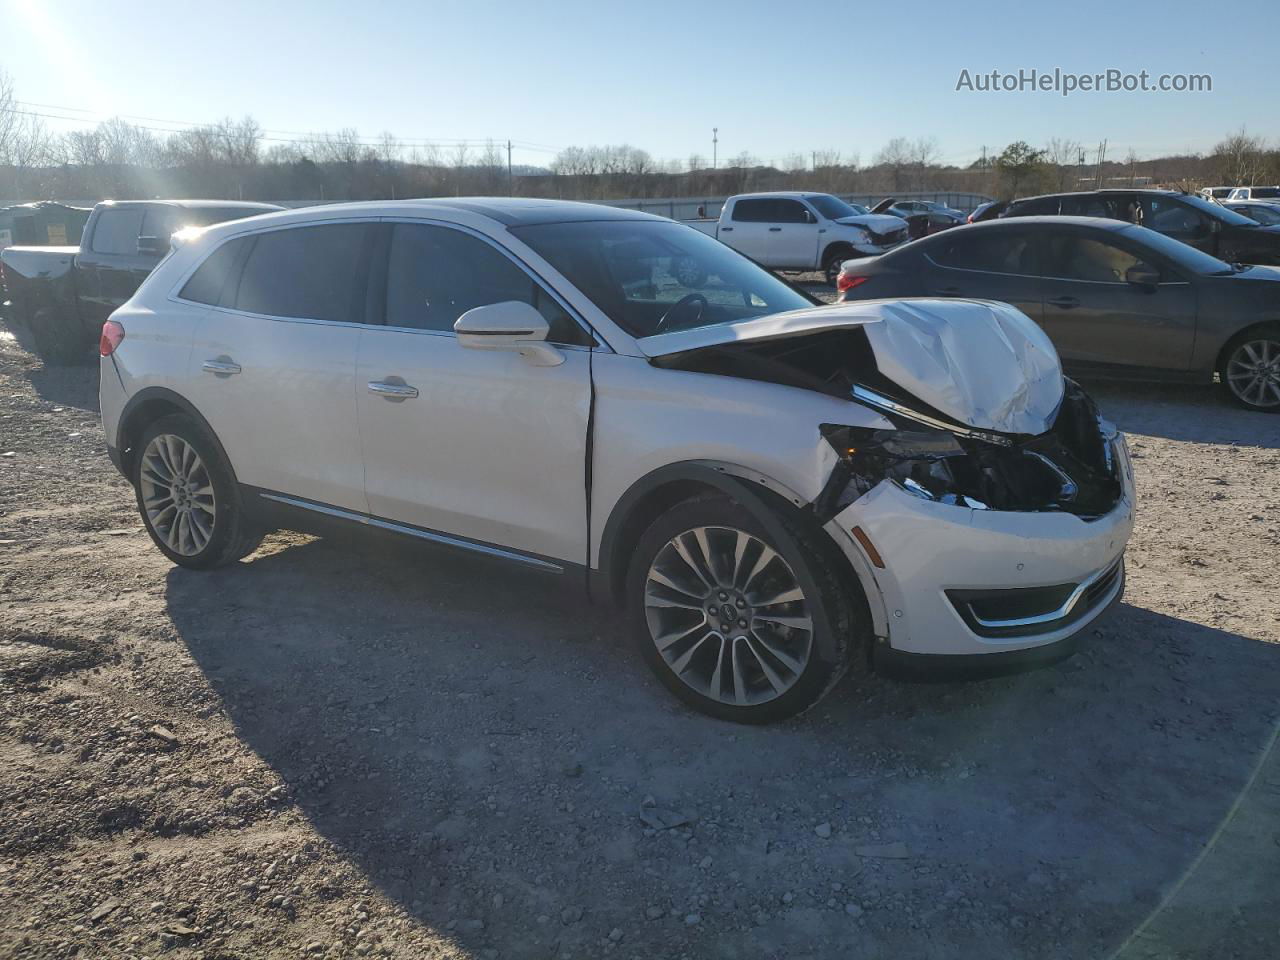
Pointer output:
376, 751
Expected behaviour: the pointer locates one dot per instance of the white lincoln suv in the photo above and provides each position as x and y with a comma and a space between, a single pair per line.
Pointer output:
774, 490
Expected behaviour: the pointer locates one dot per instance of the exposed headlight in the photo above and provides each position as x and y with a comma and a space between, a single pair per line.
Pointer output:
1072, 468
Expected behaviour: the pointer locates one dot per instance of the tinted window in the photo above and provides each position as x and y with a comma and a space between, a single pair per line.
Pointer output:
1092, 205
117, 231
435, 275
1037, 207
1265, 215
1165, 215
754, 211
653, 277
161, 222
996, 252
1084, 258
833, 208
307, 272
207, 283
791, 211
1264, 193
1214, 211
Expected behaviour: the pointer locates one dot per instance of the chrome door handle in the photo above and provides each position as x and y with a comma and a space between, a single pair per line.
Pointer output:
1065, 303
775, 229
223, 368
392, 391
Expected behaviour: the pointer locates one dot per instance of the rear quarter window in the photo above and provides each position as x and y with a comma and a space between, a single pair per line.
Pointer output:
305, 272
210, 279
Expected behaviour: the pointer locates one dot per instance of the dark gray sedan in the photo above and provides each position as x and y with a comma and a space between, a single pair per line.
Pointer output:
1116, 299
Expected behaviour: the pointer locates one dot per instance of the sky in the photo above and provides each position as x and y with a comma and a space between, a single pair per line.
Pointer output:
775, 79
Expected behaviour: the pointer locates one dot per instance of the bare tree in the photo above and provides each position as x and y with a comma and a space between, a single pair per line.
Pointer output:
1241, 159
1064, 159
897, 156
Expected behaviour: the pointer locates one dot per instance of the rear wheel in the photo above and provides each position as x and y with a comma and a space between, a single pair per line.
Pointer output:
1250, 369
188, 497
739, 622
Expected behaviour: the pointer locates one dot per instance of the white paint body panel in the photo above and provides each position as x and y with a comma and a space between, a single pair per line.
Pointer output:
493, 448
288, 419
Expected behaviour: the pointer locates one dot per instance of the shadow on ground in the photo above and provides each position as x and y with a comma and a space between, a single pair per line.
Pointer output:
463, 730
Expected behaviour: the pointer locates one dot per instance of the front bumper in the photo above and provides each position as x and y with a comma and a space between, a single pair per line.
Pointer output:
960, 582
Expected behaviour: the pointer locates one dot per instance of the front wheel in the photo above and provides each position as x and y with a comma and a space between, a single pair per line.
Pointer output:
737, 621
188, 497
1251, 369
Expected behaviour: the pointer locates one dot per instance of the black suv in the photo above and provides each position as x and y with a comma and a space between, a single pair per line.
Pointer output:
1206, 226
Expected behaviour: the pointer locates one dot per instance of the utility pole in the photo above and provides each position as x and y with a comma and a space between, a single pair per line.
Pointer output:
511, 183
715, 141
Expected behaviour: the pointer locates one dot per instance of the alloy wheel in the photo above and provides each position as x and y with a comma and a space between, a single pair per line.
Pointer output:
177, 494
728, 615
1253, 372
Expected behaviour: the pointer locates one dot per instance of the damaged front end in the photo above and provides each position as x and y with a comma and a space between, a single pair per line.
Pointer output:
1072, 468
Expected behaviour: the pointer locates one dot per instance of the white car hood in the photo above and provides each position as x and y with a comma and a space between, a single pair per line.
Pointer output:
982, 363
878, 222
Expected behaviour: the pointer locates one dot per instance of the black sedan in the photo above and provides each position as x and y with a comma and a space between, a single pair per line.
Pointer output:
1116, 299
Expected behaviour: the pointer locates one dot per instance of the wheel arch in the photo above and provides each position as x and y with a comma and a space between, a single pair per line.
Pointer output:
835, 249
661, 489
1220, 362
145, 407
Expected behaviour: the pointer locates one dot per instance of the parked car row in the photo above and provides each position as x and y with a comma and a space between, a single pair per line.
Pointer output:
61, 294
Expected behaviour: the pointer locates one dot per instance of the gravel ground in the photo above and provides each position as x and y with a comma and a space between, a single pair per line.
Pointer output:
370, 750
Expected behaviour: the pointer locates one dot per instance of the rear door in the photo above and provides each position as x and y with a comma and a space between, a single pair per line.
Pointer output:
793, 237
272, 366
986, 264
488, 448
747, 229
1094, 316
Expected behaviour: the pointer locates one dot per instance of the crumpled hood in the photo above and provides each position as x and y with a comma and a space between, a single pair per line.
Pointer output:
984, 364
878, 223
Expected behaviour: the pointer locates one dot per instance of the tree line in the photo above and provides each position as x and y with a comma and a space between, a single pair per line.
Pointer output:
234, 159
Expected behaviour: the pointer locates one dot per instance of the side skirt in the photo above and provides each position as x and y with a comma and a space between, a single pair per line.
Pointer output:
275, 510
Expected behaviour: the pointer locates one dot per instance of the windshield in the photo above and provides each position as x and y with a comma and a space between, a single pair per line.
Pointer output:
1184, 255
1218, 211
650, 276
833, 208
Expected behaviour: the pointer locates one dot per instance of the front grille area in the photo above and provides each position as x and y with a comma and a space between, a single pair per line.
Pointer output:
1028, 611
892, 237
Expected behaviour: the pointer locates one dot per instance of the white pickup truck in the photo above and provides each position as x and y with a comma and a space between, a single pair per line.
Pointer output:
802, 231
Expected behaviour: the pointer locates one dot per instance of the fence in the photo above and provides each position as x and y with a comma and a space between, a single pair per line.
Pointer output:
687, 208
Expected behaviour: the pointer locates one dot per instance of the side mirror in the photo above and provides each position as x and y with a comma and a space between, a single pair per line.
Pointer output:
152, 246
809, 217
510, 325
1141, 275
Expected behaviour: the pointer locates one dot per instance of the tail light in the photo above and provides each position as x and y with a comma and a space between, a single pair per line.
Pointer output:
846, 282
112, 337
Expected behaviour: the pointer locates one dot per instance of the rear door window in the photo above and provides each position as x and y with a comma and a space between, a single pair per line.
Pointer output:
309, 273
998, 252
1084, 258
754, 211
436, 274
116, 232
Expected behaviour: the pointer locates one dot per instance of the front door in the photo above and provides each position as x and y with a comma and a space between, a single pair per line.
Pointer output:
793, 238
1094, 316
478, 445
272, 366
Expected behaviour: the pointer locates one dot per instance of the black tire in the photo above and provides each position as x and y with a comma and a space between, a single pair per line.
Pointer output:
57, 338
838, 616
1264, 396
233, 536
835, 258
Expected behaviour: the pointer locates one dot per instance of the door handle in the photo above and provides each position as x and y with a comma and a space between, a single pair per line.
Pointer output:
948, 291
394, 392
775, 229
726, 229
1066, 303
223, 368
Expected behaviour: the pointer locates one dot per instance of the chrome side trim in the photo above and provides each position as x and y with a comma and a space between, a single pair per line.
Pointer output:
483, 548
1063, 611
873, 399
